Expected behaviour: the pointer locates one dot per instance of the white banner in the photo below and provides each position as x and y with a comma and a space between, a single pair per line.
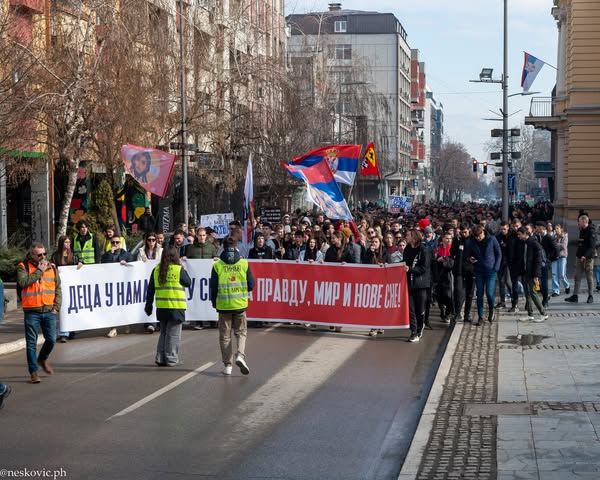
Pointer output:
219, 222
109, 295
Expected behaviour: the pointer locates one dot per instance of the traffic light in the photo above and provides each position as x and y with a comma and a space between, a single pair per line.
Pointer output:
485, 167
474, 166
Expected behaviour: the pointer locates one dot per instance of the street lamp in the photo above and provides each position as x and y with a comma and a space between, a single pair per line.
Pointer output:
486, 77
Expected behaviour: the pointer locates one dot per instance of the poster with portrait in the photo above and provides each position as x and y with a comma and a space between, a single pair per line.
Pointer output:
150, 167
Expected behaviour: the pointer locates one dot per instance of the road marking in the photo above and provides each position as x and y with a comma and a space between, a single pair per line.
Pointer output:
288, 388
162, 391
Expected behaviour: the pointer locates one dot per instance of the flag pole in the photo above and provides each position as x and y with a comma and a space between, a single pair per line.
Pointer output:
356, 175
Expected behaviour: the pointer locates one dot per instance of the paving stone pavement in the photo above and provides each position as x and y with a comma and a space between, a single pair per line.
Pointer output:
521, 400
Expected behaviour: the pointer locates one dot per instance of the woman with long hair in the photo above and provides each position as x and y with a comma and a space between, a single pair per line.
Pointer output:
312, 252
376, 255
168, 281
61, 257
338, 252
418, 274
151, 250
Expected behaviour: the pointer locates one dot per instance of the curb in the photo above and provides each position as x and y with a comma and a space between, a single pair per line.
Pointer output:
411, 465
15, 346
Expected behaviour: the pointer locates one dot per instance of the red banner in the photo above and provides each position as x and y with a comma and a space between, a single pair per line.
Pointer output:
368, 296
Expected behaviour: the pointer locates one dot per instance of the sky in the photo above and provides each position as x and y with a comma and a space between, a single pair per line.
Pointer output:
456, 40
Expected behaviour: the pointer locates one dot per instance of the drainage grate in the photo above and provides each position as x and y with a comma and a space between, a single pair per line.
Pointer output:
549, 347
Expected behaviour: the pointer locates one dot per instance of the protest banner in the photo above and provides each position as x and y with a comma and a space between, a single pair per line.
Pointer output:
219, 222
369, 296
397, 203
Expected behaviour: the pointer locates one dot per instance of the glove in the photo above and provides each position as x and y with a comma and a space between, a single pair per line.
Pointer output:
148, 310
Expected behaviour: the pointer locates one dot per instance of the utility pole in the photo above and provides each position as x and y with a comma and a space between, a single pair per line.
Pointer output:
184, 164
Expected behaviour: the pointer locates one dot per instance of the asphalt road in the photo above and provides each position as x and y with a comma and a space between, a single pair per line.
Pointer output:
316, 405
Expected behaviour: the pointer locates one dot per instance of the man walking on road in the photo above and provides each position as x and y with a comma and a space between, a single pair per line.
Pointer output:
40, 297
585, 258
230, 282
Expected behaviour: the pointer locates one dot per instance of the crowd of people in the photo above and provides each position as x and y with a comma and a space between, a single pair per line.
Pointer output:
451, 253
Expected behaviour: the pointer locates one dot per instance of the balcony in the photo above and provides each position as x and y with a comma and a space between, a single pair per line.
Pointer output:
35, 6
541, 113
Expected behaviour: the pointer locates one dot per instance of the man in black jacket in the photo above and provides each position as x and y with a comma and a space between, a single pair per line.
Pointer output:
585, 258
550, 250
515, 250
464, 277
503, 274
531, 271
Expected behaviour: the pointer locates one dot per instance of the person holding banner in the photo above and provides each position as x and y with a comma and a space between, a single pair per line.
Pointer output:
116, 254
85, 244
167, 282
418, 274
61, 257
231, 281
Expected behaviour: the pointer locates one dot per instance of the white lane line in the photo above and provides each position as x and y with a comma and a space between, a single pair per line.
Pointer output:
288, 388
162, 391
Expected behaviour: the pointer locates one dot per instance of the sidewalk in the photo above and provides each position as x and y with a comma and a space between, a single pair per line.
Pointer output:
515, 400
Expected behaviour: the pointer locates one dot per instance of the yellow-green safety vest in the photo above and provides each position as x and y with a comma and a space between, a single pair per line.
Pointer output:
232, 293
86, 254
171, 294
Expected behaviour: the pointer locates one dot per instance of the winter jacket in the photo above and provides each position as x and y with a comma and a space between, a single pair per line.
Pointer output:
418, 261
533, 261
515, 249
200, 250
563, 244
347, 255
487, 253
587, 242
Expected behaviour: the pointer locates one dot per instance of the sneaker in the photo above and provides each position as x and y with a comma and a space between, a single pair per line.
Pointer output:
541, 318
338, 329
414, 338
555, 294
62, 339
241, 362
573, 299
380, 331
150, 329
530, 317
446, 320
568, 290
372, 332
420, 334
35, 378
500, 305
227, 370
4, 393
479, 322
526, 319
513, 310
112, 333
458, 318
590, 299
197, 327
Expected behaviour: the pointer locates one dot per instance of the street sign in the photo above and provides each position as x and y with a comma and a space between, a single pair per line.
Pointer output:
512, 182
497, 132
495, 155
543, 169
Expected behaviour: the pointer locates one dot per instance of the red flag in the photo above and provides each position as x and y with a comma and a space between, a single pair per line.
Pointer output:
369, 163
151, 168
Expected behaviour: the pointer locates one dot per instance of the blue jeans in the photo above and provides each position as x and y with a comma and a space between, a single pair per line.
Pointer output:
33, 321
559, 274
597, 274
485, 281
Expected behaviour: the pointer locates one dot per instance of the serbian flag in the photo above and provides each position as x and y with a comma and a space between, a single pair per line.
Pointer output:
151, 168
342, 159
248, 208
369, 164
531, 68
322, 189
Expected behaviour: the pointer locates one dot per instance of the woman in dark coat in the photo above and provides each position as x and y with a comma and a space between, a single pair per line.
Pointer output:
418, 272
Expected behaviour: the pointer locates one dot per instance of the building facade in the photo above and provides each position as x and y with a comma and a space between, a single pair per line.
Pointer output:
363, 58
572, 114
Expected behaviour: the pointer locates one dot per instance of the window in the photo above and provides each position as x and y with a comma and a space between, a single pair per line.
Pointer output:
341, 52
340, 26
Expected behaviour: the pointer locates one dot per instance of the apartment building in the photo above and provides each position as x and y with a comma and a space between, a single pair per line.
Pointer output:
363, 59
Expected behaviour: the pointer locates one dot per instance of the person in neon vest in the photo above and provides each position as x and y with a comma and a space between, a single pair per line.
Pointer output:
230, 282
167, 283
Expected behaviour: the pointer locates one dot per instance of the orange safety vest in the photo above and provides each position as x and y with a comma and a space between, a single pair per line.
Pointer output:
40, 293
